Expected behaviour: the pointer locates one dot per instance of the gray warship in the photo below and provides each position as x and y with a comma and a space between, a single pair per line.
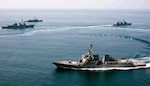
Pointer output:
18, 26
34, 20
88, 60
122, 23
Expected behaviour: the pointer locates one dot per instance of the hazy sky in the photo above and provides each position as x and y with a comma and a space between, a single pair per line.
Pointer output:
76, 4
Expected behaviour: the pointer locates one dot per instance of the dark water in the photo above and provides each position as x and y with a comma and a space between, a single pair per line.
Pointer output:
26, 55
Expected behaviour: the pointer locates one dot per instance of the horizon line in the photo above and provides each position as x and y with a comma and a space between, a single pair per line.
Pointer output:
73, 9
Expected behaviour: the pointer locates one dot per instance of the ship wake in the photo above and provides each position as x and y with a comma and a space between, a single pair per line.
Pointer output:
145, 59
113, 68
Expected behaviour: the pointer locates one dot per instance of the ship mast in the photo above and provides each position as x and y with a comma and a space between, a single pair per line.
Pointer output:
90, 49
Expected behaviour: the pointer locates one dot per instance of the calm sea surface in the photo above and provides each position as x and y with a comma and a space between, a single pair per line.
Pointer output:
26, 55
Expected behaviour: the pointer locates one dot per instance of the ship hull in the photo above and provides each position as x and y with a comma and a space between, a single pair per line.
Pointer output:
34, 20
18, 27
76, 66
121, 24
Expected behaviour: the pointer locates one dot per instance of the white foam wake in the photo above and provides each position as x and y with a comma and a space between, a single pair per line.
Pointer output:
112, 68
30, 33
145, 59
107, 25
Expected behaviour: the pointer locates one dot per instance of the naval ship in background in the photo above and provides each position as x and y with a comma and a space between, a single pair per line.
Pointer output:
18, 26
122, 23
34, 20
88, 60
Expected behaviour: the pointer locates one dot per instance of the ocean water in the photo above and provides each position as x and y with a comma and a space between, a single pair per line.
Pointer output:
26, 55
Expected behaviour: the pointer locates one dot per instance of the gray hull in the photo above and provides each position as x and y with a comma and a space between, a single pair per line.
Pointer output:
76, 66
18, 27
